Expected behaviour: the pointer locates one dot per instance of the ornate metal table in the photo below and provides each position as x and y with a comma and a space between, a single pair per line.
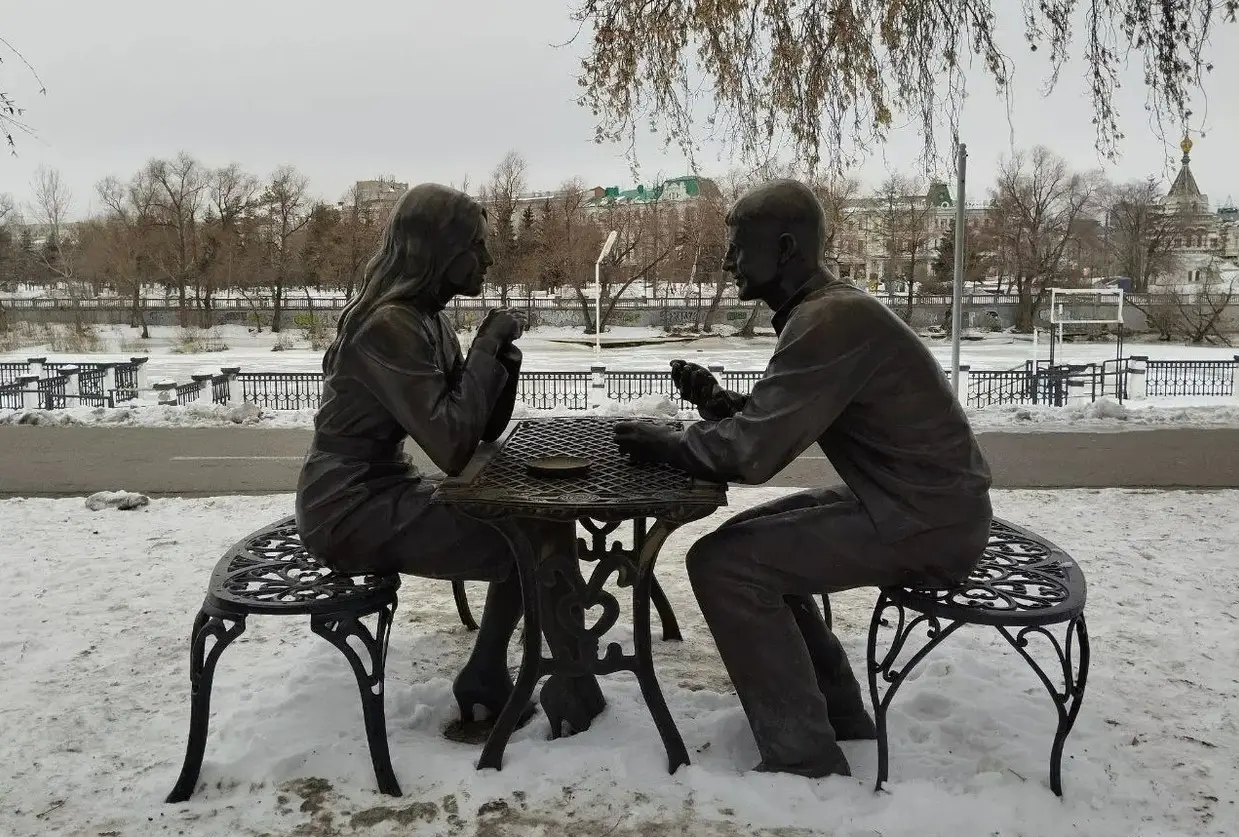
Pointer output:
498, 487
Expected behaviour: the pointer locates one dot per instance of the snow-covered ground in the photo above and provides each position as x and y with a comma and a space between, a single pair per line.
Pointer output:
548, 349
96, 695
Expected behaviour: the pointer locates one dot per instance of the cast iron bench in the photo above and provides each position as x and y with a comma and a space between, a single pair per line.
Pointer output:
270, 573
1023, 586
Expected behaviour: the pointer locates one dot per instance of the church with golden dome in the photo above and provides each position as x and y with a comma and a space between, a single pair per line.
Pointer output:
1206, 242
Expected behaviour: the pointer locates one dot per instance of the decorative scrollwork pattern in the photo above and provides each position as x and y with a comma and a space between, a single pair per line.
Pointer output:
271, 571
1020, 576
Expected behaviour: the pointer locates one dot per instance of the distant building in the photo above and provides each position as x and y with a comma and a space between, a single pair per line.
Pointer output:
870, 255
1204, 241
677, 190
375, 196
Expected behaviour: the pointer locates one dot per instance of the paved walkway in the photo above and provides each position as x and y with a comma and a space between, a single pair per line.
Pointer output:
239, 460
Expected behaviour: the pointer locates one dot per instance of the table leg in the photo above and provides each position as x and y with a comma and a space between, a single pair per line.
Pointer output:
646, 545
531, 659
556, 598
571, 695
671, 627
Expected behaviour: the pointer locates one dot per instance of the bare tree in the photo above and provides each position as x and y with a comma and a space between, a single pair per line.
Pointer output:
838, 197
1191, 311
902, 214
568, 242
501, 196
231, 194
1141, 232
179, 185
833, 75
360, 227
705, 228
647, 236
7, 261
52, 201
126, 239
284, 205
1035, 207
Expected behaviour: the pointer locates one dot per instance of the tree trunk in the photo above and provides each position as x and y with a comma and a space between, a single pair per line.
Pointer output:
750, 323
587, 310
138, 314
208, 308
1024, 311
277, 305
719, 287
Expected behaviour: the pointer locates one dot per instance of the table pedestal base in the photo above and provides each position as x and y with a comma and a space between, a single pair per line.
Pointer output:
558, 599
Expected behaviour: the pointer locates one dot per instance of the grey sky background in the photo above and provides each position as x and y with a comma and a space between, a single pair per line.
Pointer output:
440, 89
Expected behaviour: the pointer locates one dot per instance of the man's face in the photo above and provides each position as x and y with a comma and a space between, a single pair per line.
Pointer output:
752, 258
466, 274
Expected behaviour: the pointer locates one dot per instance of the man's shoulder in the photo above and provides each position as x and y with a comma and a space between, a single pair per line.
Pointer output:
844, 294
839, 303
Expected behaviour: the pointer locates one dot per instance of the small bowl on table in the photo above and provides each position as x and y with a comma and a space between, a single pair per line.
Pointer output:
558, 467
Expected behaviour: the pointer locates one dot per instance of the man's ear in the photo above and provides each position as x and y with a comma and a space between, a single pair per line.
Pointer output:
787, 248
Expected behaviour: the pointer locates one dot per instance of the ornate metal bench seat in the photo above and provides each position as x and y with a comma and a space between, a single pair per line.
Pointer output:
1023, 586
270, 573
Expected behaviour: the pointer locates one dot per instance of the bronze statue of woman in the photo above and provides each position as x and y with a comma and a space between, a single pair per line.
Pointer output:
394, 371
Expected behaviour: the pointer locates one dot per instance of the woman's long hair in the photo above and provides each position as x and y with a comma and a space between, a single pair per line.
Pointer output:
429, 226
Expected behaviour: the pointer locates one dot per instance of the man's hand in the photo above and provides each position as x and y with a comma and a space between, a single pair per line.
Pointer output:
698, 386
503, 325
695, 383
646, 441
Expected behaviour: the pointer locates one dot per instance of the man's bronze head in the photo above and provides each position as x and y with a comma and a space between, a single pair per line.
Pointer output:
777, 234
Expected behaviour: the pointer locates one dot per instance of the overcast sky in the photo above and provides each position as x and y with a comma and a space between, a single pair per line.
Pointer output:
440, 89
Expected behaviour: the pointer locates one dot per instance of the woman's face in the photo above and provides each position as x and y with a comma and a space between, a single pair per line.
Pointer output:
466, 274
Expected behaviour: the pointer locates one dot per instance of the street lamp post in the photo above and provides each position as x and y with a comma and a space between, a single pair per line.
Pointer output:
957, 291
606, 249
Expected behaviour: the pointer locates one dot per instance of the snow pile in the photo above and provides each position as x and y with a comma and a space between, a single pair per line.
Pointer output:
651, 406
96, 701
1104, 414
119, 500
153, 415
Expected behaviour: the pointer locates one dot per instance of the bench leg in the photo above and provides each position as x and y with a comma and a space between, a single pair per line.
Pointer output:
886, 667
201, 673
462, 606
1073, 657
827, 616
337, 630
666, 615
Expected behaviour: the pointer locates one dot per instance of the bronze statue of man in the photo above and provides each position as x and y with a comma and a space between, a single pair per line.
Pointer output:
396, 371
852, 377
